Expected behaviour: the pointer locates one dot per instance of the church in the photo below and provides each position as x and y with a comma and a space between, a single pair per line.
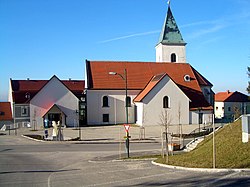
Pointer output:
142, 93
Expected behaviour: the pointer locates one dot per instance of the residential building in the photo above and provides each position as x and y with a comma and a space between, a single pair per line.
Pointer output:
40, 101
5, 114
230, 105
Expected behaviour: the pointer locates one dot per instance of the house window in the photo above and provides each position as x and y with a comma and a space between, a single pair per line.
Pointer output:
222, 108
173, 57
105, 101
105, 117
216, 108
128, 101
24, 111
229, 109
1, 113
166, 102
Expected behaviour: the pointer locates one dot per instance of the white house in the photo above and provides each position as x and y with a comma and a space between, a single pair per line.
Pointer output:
169, 84
55, 102
37, 101
229, 105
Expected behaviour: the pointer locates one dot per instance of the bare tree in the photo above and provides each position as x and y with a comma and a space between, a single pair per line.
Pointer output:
179, 114
165, 120
142, 128
237, 112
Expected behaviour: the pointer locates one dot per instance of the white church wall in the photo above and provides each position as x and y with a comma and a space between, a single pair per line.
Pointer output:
140, 113
153, 104
163, 53
115, 110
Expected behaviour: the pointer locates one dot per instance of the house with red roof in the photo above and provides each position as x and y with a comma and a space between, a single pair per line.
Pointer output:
5, 114
230, 105
169, 84
37, 101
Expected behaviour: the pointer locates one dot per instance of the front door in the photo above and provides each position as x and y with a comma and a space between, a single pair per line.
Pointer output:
54, 117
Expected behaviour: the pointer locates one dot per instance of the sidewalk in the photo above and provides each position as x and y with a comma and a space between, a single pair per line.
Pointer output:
115, 133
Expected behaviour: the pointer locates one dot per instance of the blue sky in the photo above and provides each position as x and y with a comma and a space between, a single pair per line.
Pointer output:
42, 38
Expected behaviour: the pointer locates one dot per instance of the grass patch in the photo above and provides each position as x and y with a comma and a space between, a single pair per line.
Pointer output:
230, 151
143, 157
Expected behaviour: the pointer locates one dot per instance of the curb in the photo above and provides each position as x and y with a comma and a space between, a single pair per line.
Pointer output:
208, 170
32, 139
91, 142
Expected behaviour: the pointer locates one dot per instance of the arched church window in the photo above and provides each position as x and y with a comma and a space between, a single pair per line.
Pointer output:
166, 102
128, 101
173, 57
105, 101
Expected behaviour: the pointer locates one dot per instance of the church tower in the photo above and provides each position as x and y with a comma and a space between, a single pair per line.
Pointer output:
171, 46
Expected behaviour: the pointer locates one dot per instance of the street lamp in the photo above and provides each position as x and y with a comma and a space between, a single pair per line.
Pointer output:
79, 128
124, 77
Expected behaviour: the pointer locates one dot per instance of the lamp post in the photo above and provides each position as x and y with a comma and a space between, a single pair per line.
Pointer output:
79, 128
124, 77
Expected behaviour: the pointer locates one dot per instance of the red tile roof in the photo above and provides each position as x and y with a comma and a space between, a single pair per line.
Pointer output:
231, 97
140, 73
5, 111
152, 83
24, 90
56, 106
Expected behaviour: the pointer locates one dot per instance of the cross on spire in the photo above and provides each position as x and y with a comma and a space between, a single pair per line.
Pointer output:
169, 3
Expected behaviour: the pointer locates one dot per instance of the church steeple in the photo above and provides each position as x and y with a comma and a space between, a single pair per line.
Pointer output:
171, 46
170, 33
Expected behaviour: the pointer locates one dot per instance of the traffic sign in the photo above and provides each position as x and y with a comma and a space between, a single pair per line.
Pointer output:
126, 126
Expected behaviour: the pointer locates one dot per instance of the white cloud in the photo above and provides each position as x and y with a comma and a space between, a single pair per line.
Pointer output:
130, 36
208, 30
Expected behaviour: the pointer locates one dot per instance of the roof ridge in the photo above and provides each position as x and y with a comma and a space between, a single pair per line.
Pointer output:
142, 95
120, 61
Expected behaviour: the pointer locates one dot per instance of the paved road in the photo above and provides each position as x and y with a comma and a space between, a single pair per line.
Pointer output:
27, 163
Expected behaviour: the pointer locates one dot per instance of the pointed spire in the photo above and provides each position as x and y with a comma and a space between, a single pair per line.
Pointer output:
168, 3
170, 33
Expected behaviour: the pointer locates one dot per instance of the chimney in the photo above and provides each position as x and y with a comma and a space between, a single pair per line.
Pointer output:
69, 79
228, 91
28, 79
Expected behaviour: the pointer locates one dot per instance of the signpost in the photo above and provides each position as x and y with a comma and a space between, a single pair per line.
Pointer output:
127, 127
